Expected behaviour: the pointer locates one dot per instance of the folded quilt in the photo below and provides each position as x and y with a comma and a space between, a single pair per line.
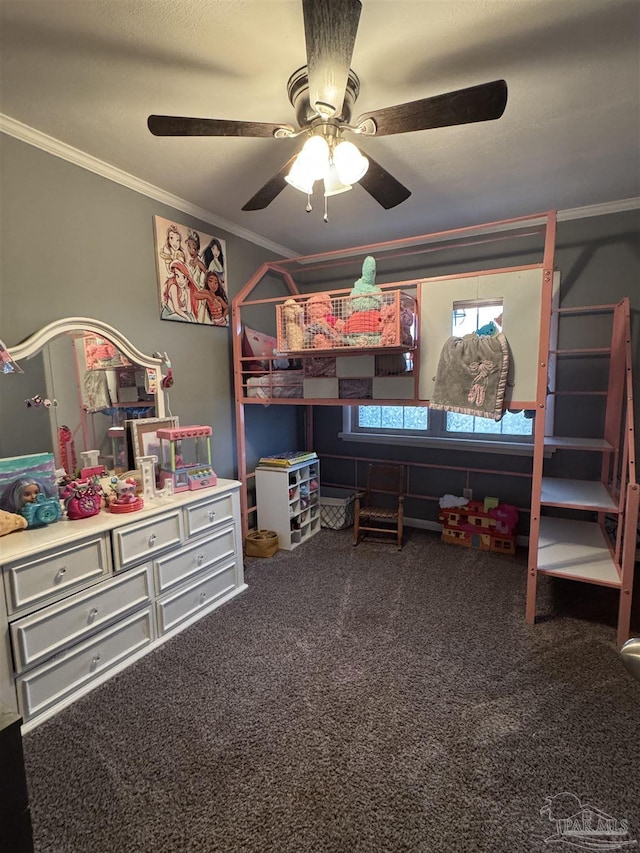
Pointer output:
472, 375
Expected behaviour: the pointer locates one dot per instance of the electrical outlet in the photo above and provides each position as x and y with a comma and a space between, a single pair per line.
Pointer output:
468, 494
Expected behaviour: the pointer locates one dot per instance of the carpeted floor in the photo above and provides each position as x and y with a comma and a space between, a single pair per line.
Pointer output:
354, 700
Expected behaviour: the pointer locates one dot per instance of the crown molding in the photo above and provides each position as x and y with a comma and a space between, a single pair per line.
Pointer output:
27, 134
599, 209
40, 140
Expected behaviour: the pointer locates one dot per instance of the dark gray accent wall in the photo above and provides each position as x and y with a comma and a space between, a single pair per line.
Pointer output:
76, 244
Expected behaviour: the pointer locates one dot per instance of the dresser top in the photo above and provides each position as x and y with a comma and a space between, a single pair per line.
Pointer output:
24, 543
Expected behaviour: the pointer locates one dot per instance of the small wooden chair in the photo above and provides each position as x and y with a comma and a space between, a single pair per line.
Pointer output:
382, 503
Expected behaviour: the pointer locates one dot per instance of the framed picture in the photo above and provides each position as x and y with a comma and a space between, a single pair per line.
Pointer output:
192, 275
143, 440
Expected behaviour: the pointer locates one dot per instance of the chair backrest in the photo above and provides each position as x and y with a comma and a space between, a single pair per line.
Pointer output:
385, 479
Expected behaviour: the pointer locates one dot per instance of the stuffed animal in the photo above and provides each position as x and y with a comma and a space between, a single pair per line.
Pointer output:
292, 317
407, 318
363, 306
323, 329
389, 323
11, 521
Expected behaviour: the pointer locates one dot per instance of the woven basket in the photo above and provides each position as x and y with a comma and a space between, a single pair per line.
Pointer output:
261, 543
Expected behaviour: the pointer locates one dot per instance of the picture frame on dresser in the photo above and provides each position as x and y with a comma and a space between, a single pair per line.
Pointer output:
142, 439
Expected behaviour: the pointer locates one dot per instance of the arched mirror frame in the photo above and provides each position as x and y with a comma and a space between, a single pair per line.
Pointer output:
33, 344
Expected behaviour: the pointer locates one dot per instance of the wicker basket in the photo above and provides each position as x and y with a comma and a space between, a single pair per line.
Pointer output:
261, 543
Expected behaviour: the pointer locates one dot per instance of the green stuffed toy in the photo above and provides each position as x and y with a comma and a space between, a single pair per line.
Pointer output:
363, 326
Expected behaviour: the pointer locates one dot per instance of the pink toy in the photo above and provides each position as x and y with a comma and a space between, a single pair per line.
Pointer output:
126, 498
185, 458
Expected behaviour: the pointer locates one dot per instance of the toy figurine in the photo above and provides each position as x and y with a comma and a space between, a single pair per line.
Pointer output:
126, 499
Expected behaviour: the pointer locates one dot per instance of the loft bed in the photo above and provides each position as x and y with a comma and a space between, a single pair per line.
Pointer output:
310, 367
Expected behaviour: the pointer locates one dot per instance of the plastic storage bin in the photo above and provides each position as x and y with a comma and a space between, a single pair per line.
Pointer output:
336, 508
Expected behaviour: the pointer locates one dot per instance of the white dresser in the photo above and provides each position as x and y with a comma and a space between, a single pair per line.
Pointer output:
81, 600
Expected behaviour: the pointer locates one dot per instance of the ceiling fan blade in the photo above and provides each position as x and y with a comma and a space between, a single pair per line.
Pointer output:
271, 189
181, 126
330, 28
464, 106
382, 186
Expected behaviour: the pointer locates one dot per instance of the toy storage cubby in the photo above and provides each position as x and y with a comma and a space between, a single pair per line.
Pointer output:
288, 501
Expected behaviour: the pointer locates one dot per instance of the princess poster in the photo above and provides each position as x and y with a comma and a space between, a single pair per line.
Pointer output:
191, 274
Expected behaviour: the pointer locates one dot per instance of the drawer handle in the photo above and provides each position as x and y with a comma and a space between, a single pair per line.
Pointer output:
152, 540
212, 514
60, 574
95, 660
93, 613
200, 559
203, 595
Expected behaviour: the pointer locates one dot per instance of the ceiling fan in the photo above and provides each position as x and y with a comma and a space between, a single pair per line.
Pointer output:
323, 93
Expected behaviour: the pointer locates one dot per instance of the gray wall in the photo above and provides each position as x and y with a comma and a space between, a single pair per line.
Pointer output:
76, 244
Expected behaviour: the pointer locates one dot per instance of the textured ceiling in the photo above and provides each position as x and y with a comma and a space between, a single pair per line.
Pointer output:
88, 72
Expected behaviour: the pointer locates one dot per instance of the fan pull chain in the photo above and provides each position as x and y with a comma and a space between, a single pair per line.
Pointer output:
326, 209
308, 208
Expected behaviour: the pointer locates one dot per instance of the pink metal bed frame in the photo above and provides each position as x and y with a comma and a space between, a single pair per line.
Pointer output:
618, 475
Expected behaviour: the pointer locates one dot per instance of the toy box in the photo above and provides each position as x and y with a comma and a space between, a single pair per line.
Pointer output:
336, 508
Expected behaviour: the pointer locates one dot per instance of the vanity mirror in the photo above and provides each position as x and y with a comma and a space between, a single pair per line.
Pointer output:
82, 380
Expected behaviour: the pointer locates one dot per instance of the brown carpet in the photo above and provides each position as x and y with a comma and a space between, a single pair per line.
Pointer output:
353, 700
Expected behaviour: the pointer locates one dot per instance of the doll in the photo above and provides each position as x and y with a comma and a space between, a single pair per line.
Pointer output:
292, 318
30, 498
22, 491
363, 306
323, 329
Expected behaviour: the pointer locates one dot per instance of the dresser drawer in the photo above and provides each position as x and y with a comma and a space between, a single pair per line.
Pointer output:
71, 670
136, 543
55, 573
208, 514
46, 632
176, 607
174, 568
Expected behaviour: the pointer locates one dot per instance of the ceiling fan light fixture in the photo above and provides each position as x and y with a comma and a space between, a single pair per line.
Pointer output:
332, 183
350, 163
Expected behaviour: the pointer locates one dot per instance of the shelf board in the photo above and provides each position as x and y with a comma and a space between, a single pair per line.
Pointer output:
563, 442
576, 550
577, 494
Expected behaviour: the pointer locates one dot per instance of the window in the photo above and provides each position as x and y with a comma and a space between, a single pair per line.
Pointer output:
410, 424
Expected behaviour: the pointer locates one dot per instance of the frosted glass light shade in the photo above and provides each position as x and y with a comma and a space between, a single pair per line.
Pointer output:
349, 162
332, 183
315, 155
299, 177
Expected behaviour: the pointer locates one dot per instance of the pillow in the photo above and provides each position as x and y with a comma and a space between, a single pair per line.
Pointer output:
261, 348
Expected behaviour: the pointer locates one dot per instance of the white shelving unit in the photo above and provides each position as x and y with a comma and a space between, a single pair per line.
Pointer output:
585, 550
288, 501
